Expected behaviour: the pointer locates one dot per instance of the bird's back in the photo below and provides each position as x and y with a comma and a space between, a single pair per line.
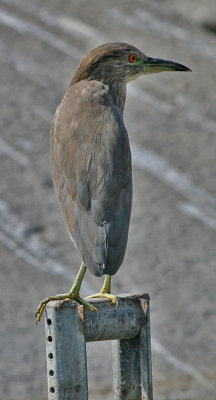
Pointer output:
91, 166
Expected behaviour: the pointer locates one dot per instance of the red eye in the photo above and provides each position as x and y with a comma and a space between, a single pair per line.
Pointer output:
132, 58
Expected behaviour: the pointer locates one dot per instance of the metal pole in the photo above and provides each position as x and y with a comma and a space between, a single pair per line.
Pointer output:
126, 369
145, 358
66, 354
132, 370
69, 326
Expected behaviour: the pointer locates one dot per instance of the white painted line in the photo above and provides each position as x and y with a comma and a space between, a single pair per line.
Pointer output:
26, 27
26, 145
197, 118
24, 65
191, 114
193, 372
33, 250
5, 148
21, 253
185, 395
70, 25
147, 98
195, 212
27, 101
43, 113
8, 20
202, 205
178, 181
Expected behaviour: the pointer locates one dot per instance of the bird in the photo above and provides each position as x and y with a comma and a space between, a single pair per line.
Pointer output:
91, 161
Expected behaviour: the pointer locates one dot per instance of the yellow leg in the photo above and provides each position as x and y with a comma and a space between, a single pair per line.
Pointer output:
105, 292
73, 294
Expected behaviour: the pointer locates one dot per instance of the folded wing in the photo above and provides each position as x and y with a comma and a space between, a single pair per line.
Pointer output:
91, 165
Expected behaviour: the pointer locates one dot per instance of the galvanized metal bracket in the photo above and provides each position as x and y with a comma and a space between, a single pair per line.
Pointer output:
68, 326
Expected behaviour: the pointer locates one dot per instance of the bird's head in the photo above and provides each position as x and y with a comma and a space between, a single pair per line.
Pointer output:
120, 62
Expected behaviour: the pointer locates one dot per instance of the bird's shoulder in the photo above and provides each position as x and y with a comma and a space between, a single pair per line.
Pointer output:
87, 113
86, 93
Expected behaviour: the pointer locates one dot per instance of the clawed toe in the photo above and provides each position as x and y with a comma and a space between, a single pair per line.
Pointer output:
66, 296
112, 297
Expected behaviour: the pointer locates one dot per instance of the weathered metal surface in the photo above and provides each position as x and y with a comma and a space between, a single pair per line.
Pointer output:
110, 323
69, 326
126, 369
66, 354
132, 374
145, 357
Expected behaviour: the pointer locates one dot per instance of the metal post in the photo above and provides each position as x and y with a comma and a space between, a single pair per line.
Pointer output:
66, 353
69, 326
145, 358
132, 369
126, 369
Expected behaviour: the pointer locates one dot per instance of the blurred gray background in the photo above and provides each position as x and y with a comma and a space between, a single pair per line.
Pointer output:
171, 121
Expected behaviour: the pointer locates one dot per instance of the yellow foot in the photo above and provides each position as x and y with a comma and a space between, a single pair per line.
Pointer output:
65, 296
112, 297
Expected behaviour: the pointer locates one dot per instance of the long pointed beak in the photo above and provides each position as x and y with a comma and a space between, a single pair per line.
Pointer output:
158, 65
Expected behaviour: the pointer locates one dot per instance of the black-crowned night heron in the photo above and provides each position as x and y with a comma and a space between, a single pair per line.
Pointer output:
91, 160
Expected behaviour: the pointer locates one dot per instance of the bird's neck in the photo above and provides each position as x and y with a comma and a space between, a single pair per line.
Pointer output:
117, 91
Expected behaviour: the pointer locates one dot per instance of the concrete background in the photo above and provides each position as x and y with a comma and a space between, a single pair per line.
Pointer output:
171, 252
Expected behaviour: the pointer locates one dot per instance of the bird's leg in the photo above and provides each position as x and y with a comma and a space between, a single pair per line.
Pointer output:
105, 292
73, 294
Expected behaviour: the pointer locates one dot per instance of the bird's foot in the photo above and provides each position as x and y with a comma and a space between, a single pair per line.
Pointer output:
112, 297
72, 295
